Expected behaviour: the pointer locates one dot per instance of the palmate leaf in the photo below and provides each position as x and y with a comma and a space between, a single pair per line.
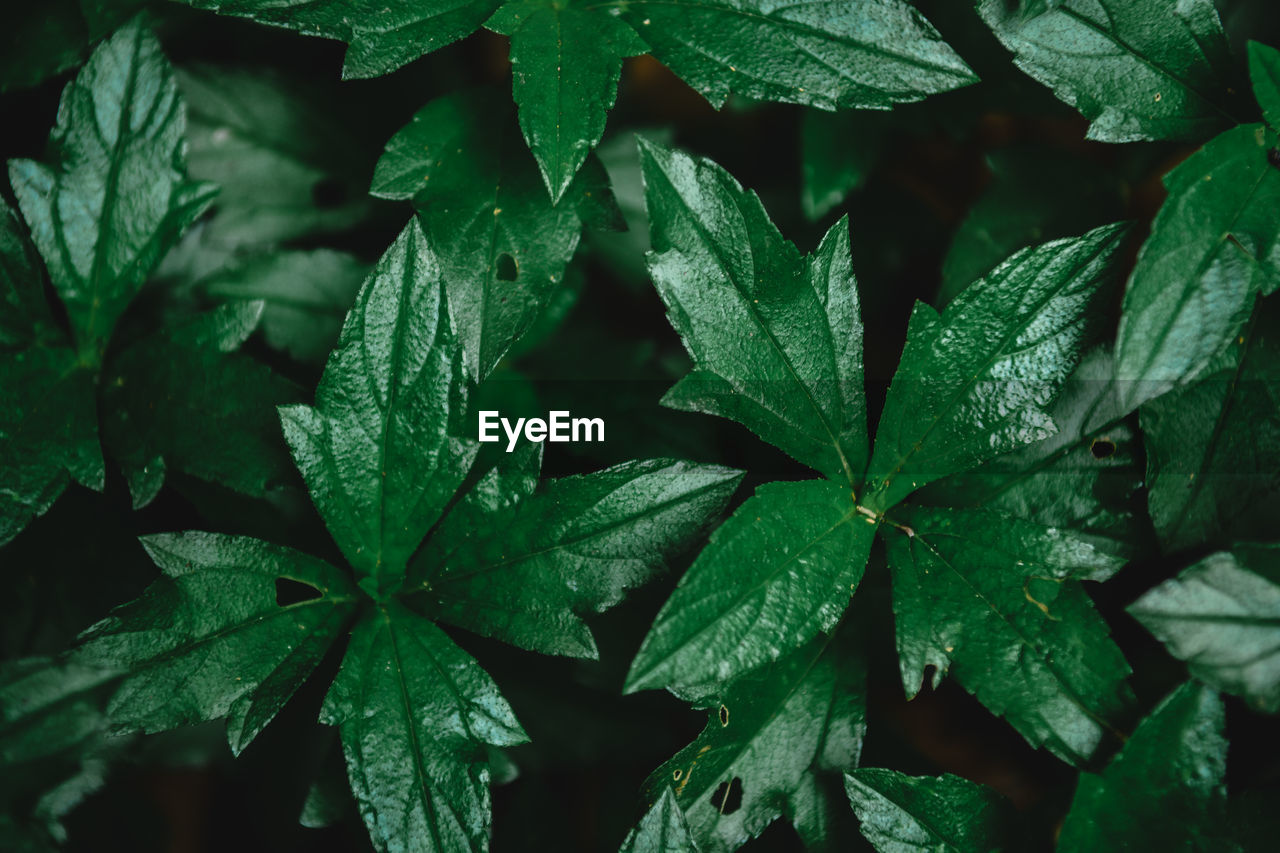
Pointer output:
947, 814
211, 639
115, 198
415, 711
767, 734
380, 451
1137, 69
1165, 790
998, 603
502, 245
775, 337
977, 380
1222, 616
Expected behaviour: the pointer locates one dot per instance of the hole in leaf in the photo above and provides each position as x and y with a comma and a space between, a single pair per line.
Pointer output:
328, 193
728, 797
289, 591
676, 774
724, 715
507, 270
1101, 448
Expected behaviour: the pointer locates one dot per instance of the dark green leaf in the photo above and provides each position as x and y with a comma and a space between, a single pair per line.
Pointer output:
1213, 448
42, 39
182, 398
566, 58
380, 450
819, 813
662, 830
1222, 616
998, 602
1213, 245
381, 36
24, 312
306, 295
1137, 69
525, 569
286, 165
1081, 479
1264, 72
946, 814
837, 153
213, 638
824, 53
976, 381
774, 575
765, 734
115, 197
775, 337
503, 246
415, 712
1165, 790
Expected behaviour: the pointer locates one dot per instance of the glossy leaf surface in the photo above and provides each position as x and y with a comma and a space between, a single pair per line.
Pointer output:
948, 814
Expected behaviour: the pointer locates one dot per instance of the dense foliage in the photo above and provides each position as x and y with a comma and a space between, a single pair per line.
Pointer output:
978, 550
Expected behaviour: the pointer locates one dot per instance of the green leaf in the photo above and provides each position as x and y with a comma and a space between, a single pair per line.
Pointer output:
381, 36
25, 317
380, 450
115, 197
976, 381
1036, 194
566, 58
1264, 72
48, 432
662, 830
1165, 790
44, 39
1213, 245
947, 814
1137, 69
503, 246
868, 54
837, 154
286, 164
222, 429
1222, 616
305, 295
765, 735
1213, 448
998, 602
1080, 480
773, 576
216, 636
525, 568
775, 337
415, 712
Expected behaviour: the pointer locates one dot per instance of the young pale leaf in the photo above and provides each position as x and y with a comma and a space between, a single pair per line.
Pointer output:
527, 572
286, 166
502, 244
1213, 448
1222, 616
773, 576
833, 54
566, 58
381, 35
221, 429
1213, 245
947, 814
1081, 479
115, 198
379, 451
1137, 69
217, 635
998, 601
1264, 72
765, 734
415, 712
976, 381
1165, 790
775, 337
662, 830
